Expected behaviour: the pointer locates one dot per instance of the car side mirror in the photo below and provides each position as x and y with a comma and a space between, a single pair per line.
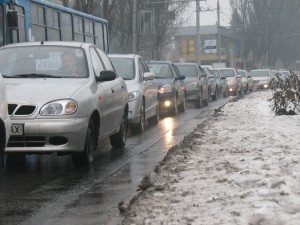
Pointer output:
203, 75
149, 76
180, 77
248, 76
223, 78
106, 75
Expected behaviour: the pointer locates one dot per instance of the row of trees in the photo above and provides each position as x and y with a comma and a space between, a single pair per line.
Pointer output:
269, 31
158, 25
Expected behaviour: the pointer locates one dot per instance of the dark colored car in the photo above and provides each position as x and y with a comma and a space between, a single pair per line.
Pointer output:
171, 91
196, 83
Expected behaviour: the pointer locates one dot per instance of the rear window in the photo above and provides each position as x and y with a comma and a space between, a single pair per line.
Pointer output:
161, 70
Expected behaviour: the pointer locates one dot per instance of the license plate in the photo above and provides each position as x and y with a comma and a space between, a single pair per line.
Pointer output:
17, 129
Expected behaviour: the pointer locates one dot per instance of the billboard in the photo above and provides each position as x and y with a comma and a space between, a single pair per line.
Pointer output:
210, 46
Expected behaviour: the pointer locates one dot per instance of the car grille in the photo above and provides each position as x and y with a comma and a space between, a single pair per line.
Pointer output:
26, 141
23, 110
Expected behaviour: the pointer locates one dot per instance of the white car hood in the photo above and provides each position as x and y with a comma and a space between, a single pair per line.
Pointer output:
35, 91
261, 78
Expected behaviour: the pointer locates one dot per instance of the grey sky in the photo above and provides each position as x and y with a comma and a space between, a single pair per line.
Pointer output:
209, 17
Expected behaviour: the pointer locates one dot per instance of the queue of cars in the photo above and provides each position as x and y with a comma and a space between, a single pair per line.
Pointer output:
63, 97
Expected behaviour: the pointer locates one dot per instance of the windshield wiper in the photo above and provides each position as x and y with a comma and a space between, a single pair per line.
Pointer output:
37, 75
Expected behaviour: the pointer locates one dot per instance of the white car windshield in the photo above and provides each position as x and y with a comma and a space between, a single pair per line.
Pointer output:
124, 67
43, 61
259, 73
188, 70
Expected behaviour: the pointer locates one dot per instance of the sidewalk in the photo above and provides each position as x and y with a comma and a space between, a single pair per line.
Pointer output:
240, 167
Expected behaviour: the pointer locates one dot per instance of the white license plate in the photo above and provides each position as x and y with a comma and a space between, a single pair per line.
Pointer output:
17, 129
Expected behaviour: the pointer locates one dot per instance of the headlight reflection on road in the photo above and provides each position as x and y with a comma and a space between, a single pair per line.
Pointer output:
168, 124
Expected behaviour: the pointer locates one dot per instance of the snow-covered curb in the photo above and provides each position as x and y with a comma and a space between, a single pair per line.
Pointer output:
242, 167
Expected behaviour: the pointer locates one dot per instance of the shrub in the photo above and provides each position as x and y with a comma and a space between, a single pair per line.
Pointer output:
285, 98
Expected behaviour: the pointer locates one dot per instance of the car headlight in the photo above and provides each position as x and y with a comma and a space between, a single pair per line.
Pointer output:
60, 107
132, 96
192, 85
165, 89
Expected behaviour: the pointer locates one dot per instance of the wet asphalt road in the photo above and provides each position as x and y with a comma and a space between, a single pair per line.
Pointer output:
49, 190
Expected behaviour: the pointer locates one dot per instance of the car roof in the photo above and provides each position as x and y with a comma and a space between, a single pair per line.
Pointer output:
186, 63
162, 62
129, 56
48, 43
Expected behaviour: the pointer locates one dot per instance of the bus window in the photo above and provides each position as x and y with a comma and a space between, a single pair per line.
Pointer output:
78, 29
18, 35
38, 23
89, 31
99, 35
105, 39
52, 25
66, 27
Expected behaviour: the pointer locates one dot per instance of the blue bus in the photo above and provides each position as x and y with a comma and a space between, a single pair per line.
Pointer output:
40, 20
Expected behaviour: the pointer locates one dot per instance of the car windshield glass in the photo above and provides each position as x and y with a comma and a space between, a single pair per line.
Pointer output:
43, 62
161, 70
124, 67
242, 73
259, 73
188, 70
228, 73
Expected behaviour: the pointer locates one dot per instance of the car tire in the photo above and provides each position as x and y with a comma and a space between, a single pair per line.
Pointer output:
86, 157
155, 118
225, 95
174, 111
214, 97
209, 96
118, 140
140, 127
199, 100
182, 105
206, 101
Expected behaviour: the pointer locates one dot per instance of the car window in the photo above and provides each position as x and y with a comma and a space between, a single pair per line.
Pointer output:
124, 67
96, 62
228, 73
188, 70
141, 69
259, 73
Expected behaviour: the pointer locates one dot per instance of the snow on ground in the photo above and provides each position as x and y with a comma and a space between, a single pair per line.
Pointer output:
241, 167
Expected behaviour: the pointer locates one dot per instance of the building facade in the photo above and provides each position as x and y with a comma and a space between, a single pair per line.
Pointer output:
185, 46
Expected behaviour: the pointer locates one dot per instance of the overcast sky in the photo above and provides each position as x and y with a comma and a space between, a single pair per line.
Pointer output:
209, 17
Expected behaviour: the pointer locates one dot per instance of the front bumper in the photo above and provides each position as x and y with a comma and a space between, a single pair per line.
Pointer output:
166, 103
49, 135
260, 86
231, 87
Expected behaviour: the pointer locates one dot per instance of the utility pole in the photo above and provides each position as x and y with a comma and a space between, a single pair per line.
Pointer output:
198, 38
219, 35
134, 38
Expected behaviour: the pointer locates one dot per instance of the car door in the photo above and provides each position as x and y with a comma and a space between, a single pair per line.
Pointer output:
179, 84
119, 89
104, 95
147, 86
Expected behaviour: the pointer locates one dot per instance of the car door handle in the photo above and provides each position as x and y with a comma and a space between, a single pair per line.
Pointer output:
112, 90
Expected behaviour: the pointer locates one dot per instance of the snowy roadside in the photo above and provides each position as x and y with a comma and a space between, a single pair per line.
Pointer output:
241, 167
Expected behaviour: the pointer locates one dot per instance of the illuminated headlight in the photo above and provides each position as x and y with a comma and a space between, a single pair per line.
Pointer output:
265, 86
61, 107
167, 103
132, 96
165, 89
192, 85
230, 89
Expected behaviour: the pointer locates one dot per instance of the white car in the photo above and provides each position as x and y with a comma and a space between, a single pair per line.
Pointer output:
261, 79
55, 111
142, 89
234, 80
4, 121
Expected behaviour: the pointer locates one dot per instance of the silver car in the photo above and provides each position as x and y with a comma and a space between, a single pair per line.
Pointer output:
247, 81
196, 83
213, 87
234, 81
142, 89
261, 79
4, 121
55, 110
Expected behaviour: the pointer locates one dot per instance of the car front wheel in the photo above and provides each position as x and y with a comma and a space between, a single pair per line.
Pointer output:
86, 157
118, 140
